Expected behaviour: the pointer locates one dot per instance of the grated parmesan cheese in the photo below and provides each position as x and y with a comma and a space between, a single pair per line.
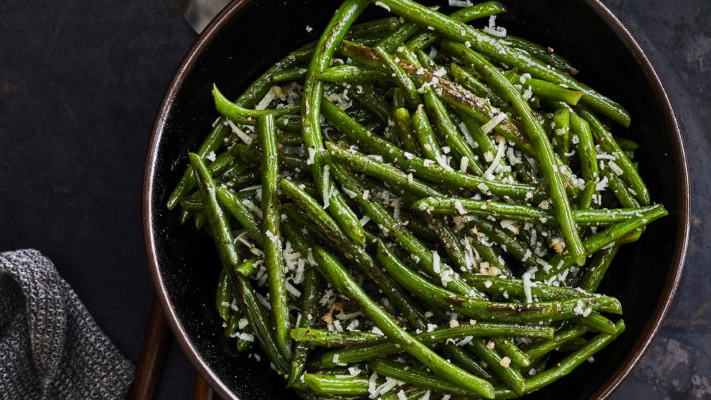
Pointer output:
494, 30
381, 4
460, 3
458, 206
615, 168
266, 100
326, 192
312, 154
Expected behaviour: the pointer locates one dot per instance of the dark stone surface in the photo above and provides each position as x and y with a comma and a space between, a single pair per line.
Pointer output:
80, 82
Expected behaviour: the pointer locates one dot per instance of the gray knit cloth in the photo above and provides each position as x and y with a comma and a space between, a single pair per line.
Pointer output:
50, 347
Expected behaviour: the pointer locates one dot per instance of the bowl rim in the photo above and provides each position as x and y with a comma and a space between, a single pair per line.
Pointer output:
681, 240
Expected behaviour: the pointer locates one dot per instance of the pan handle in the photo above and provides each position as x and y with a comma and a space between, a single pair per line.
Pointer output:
152, 354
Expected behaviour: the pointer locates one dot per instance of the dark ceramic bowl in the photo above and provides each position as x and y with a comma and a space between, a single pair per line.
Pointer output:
248, 36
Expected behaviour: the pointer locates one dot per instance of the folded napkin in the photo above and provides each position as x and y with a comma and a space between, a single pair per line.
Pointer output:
50, 346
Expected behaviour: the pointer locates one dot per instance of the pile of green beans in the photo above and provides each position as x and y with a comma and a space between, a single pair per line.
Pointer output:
415, 207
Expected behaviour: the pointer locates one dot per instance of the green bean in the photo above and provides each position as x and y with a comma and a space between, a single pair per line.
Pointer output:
238, 178
597, 268
258, 319
290, 123
352, 74
397, 37
539, 291
454, 30
463, 358
608, 143
408, 88
407, 55
420, 229
250, 154
490, 255
456, 180
200, 220
330, 384
234, 206
338, 277
574, 344
412, 393
192, 203
426, 136
247, 268
223, 296
448, 240
382, 25
185, 215
544, 54
361, 163
534, 131
510, 376
311, 114
271, 234
449, 132
561, 132
585, 200
211, 143
289, 74
328, 226
415, 376
387, 347
309, 315
510, 350
425, 60
221, 162
569, 363
403, 126
467, 14
490, 311
536, 351
371, 100
362, 115
478, 88
233, 327
289, 139
298, 217
398, 99
619, 188
516, 248
242, 342
214, 214
586, 148
545, 89
519, 212
244, 115
598, 323
318, 337
627, 144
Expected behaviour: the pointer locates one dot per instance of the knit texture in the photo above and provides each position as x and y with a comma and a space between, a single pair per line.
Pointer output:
50, 346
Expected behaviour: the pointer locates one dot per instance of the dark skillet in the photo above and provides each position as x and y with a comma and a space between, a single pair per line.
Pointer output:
247, 37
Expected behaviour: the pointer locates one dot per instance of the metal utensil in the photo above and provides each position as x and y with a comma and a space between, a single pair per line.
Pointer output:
199, 13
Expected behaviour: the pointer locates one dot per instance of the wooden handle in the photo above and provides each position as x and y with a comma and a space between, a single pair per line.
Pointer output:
203, 391
152, 355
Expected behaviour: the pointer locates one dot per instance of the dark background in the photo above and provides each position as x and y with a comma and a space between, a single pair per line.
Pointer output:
80, 82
